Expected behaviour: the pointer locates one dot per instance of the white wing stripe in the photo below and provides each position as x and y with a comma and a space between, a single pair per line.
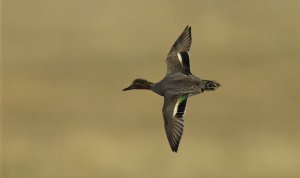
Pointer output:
180, 58
176, 108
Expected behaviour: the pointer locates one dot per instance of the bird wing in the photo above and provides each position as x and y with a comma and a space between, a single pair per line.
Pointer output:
178, 57
173, 113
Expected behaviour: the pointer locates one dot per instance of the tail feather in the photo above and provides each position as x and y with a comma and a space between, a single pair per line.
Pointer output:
210, 85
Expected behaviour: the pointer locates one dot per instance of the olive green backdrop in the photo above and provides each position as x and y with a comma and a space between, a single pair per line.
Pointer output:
65, 62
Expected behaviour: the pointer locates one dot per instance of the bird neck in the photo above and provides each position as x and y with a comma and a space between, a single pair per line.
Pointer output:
144, 86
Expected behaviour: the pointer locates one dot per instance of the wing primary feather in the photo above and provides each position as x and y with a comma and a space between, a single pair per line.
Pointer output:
174, 122
178, 57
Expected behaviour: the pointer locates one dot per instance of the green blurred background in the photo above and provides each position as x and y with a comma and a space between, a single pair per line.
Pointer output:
65, 62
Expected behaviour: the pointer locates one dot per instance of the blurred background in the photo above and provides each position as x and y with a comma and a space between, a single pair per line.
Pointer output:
65, 62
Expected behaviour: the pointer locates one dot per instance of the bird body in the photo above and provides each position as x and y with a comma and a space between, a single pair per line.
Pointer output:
178, 84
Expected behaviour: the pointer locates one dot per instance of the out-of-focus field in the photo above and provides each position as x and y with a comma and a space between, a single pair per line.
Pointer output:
64, 64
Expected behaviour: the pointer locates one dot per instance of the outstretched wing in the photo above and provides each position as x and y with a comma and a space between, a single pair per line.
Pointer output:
178, 57
173, 112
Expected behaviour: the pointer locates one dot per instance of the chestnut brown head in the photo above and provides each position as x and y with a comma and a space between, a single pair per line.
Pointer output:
139, 84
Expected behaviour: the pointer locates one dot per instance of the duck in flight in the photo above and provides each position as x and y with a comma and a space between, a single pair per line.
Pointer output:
178, 84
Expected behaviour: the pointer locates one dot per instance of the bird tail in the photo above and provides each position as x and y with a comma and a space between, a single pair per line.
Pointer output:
210, 85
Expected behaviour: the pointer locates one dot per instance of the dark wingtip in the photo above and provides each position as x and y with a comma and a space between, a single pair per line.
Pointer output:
175, 148
189, 28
